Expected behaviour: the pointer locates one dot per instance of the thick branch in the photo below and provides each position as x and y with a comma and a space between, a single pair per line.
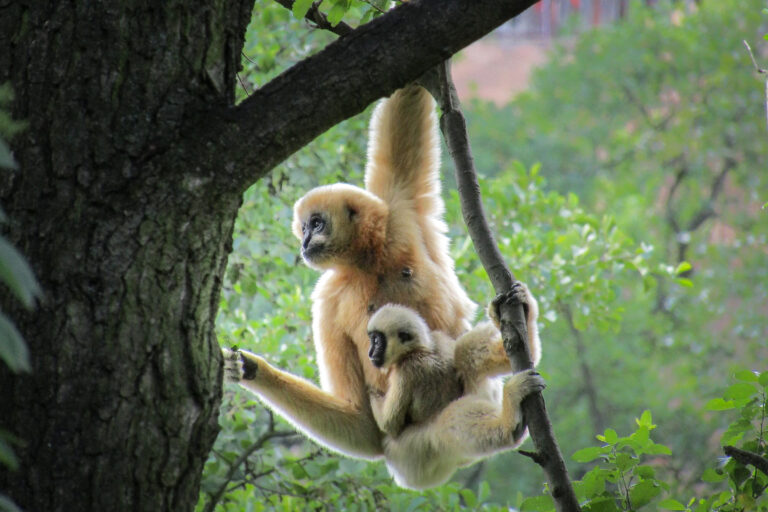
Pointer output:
513, 327
232, 147
747, 458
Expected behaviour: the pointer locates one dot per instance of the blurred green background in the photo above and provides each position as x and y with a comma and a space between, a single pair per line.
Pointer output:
627, 188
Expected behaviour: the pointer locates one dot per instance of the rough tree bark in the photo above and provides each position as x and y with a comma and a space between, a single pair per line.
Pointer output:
132, 171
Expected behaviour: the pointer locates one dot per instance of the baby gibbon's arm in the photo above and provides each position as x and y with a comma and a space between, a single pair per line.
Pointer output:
396, 404
332, 422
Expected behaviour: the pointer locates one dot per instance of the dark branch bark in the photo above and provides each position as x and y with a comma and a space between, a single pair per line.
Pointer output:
234, 147
513, 325
747, 458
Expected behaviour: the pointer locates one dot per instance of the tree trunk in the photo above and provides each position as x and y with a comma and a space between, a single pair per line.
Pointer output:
132, 170
121, 408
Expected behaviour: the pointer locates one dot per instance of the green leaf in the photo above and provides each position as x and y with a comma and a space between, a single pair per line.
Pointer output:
712, 476
6, 505
609, 436
718, 404
670, 504
589, 454
15, 272
416, 503
6, 159
684, 266
13, 349
643, 493
739, 391
646, 420
7, 457
746, 376
684, 282
337, 13
300, 8
763, 379
469, 498
538, 504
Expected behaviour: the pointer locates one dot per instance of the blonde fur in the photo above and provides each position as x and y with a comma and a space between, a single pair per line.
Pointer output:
383, 244
432, 425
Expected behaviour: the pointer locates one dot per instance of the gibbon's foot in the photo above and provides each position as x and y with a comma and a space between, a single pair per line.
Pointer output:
526, 383
233, 365
522, 385
518, 294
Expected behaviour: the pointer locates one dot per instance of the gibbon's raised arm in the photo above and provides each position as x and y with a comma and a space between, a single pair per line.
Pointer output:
404, 151
331, 421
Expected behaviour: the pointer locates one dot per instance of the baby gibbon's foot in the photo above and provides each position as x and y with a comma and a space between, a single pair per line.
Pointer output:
518, 387
518, 294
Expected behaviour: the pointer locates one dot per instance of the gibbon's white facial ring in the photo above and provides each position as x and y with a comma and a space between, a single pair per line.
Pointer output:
315, 233
378, 350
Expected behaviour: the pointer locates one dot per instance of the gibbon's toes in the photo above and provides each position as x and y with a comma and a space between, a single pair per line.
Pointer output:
233, 365
526, 383
533, 382
516, 295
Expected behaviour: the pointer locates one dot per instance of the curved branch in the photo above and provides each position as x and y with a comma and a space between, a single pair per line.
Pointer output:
230, 148
513, 326
747, 458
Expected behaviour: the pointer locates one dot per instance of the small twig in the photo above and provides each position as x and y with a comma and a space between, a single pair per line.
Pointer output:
242, 84
759, 71
532, 455
746, 458
216, 497
319, 19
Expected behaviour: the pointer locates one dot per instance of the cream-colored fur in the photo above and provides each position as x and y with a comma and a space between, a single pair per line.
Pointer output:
432, 425
383, 244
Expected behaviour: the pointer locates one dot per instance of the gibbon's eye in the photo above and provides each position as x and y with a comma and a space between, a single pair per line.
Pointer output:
351, 212
316, 223
404, 336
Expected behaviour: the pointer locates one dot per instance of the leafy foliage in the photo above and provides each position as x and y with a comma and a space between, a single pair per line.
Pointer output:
16, 274
640, 232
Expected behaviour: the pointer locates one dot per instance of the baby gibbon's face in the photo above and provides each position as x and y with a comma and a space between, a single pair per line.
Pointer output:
395, 331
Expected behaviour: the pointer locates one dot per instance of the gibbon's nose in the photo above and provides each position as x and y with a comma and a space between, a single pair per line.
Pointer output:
378, 348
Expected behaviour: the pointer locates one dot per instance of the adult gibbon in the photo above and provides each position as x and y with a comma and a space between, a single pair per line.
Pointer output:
433, 424
382, 244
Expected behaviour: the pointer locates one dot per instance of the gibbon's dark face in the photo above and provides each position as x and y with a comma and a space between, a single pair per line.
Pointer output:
316, 234
378, 348
400, 345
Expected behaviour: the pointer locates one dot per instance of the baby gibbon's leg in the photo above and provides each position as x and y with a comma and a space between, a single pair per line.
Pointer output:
477, 427
332, 422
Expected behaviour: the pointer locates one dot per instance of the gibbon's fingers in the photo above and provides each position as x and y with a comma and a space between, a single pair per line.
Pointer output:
233, 365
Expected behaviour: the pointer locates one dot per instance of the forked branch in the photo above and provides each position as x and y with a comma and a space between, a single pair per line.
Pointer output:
513, 325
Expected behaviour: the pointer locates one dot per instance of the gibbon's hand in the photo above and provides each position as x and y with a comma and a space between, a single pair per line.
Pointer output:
233, 365
238, 365
518, 294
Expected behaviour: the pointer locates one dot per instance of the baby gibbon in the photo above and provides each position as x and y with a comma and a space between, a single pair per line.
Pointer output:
382, 244
433, 425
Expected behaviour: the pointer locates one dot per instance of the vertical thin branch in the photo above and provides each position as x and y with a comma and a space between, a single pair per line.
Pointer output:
760, 71
513, 324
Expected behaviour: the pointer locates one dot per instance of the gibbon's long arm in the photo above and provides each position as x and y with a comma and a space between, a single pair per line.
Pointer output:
332, 422
395, 409
404, 151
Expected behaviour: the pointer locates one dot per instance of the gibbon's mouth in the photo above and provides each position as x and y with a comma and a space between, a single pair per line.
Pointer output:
313, 252
378, 348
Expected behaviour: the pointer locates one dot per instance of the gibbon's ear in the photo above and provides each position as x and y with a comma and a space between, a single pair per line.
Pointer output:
351, 211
